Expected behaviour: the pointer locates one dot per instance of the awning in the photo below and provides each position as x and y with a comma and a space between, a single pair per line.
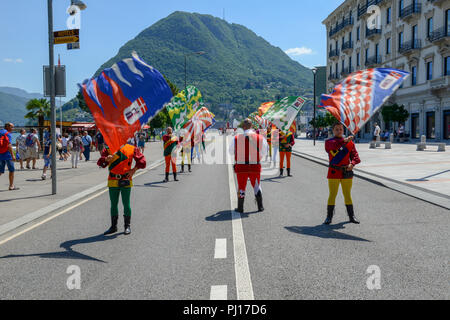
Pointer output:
86, 126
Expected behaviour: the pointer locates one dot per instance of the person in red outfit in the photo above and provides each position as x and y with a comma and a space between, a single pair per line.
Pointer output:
343, 157
248, 149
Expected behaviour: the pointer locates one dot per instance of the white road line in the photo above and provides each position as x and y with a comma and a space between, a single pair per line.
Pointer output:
220, 251
33, 216
219, 293
244, 286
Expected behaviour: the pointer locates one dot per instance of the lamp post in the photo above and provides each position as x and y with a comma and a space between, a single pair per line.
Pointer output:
314, 70
199, 53
51, 42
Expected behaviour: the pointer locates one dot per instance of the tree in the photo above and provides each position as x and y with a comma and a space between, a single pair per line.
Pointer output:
39, 109
82, 103
324, 121
394, 113
162, 119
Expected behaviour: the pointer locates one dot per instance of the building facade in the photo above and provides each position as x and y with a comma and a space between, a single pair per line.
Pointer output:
414, 36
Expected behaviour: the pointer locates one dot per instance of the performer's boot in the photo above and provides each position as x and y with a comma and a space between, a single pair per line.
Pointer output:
175, 176
289, 172
330, 212
189, 167
127, 229
167, 177
113, 228
240, 207
281, 172
351, 214
259, 201
182, 168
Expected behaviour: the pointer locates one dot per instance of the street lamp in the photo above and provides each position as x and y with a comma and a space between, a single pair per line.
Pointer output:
199, 53
314, 71
80, 4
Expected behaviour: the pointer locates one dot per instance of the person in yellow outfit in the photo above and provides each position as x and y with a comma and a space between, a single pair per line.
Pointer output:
285, 145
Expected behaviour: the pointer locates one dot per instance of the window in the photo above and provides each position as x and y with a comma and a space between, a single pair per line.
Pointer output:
350, 36
388, 45
336, 69
357, 59
388, 15
367, 55
429, 70
415, 126
401, 4
447, 21
343, 65
377, 51
431, 132
429, 27
447, 66
349, 64
414, 76
357, 33
447, 124
400, 40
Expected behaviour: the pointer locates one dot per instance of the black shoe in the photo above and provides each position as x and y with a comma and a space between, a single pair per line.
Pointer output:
167, 177
127, 229
281, 172
240, 207
289, 172
259, 201
113, 228
330, 212
351, 214
189, 167
175, 176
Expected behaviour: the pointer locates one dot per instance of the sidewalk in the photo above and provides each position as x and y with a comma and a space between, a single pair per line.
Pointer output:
35, 193
428, 169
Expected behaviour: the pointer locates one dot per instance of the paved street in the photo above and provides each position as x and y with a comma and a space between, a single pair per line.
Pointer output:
288, 253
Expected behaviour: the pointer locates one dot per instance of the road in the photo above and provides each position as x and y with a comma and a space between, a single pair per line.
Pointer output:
286, 251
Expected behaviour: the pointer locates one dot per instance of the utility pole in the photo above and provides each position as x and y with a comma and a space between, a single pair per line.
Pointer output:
314, 70
52, 92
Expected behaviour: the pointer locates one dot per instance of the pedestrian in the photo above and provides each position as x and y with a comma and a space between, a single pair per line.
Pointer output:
170, 153
120, 181
33, 148
376, 132
21, 147
285, 145
87, 143
343, 157
47, 156
64, 143
141, 141
248, 149
185, 151
59, 146
76, 144
100, 142
7, 157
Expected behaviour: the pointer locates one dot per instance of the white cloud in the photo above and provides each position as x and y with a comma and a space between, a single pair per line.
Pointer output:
299, 51
9, 60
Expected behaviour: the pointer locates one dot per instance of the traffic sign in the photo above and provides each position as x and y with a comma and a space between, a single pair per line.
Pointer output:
66, 36
75, 45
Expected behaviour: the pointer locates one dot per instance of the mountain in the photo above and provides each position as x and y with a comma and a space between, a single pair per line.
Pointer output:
12, 108
238, 67
21, 93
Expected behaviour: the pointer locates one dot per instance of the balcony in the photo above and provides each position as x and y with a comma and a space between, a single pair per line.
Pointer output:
373, 61
347, 46
439, 36
334, 54
333, 77
362, 10
438, 3
341, 26
346, 71
411, 11
410, 47
372, 34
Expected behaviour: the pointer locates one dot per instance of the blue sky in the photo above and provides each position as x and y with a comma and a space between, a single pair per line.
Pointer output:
293, 25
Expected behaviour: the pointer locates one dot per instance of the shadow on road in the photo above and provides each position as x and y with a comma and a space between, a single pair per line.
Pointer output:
226, 215
24, 198
274, 179
325, 232
152, 185
69, 253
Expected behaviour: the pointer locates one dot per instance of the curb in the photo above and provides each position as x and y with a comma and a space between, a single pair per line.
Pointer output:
429, 196
30, 217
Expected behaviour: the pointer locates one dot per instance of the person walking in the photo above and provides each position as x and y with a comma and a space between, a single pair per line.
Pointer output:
285, 145
185, 151
248, 149
47, 156
33, 148
343, 157
21, 147
141, 141
100, 142
170, 153
75, 145
87, 143
64, 143
120, 181
376, 132
7, 157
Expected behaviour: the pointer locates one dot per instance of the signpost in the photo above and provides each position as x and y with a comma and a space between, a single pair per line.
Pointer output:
66, 36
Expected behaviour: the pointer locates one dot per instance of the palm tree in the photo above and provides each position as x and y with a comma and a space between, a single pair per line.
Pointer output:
39, 109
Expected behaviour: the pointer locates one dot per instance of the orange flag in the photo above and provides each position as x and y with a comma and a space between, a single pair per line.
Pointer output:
264, 107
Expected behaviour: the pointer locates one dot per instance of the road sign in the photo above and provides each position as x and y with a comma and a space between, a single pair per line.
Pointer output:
75, 45
66, 36
60, 81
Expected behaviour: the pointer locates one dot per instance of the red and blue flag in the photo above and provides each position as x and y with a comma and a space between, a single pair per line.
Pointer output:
124, 98
359, 96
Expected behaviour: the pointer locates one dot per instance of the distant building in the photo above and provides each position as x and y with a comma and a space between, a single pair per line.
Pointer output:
414, 36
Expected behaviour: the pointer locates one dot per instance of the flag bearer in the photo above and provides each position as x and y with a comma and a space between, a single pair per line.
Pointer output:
120, 180
248, 149
170, 153
285, 144
343, 157
185, 151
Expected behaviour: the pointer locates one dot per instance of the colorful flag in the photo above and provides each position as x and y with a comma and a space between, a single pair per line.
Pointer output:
183, 106
359, 96
283, 113
253, 118
125, 97
264, 107
201, 121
